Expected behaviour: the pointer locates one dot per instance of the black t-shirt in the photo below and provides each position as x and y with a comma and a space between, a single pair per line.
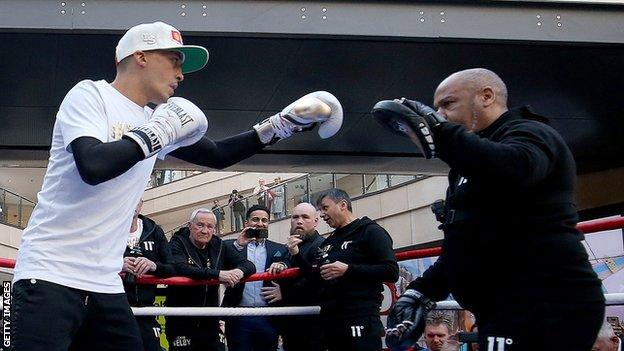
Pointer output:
204, 257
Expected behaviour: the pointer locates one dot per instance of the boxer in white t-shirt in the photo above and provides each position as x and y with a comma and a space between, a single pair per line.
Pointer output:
67, 291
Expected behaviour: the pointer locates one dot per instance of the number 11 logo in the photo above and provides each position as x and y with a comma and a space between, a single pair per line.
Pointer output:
500, 343
356, 330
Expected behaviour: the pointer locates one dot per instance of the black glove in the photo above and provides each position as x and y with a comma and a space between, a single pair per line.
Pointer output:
437, 207
406, 321
410, 118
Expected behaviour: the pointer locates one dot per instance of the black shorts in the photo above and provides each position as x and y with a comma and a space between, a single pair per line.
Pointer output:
548, 326
352, 333
50, 317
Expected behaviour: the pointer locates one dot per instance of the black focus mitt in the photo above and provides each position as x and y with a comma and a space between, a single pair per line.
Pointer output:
410, 118
406, 321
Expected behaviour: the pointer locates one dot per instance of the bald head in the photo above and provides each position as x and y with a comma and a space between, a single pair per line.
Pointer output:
473, 98
476, 79
303, 220
305, 207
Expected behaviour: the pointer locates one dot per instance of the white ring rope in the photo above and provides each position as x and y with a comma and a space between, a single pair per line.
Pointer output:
611, 299
225, 311
614, 299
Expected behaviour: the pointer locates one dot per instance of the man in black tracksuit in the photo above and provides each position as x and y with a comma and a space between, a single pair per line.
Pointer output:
199, 254
511, 252
302, 333
147, 253
354, 261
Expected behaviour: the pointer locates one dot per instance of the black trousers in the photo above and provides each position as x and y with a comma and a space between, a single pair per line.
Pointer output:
194, 334
548, 326
150, 333
352, 333
258, 333
302, 333
50, 317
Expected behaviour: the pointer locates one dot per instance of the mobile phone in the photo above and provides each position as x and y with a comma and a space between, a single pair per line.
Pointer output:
257, 233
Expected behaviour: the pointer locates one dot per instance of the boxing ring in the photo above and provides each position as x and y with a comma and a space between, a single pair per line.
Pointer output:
588, 227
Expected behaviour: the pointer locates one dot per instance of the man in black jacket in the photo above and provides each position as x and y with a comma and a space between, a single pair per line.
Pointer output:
302, 333
258, 333
199, 254
354, 261
509, 212
147, 253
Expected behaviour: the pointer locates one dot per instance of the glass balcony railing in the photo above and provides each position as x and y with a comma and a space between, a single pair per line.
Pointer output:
282, 197
162, 177
15, 209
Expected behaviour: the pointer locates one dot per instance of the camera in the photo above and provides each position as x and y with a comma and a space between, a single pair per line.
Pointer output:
135, 251
438, 210
320, 258
257, 233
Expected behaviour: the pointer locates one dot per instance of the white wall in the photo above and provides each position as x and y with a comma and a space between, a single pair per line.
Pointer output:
9, 241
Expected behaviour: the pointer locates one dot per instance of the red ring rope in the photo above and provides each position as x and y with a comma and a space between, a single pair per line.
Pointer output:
588, 227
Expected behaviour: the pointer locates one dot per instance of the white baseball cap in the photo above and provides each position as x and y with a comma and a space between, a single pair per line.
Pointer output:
161, 36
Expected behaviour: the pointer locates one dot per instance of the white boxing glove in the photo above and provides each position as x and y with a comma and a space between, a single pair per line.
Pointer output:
319, 107
174, 124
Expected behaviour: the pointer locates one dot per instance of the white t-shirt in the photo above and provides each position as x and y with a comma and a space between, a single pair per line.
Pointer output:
135, 236
78, 232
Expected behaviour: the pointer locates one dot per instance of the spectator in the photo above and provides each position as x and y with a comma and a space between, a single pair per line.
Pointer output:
255, 333
147, 252
264, 195
438, 328
405, 277
277, 208
475, 345
219, 215
354, 262
199, 254
302, 333
238, 209
607, 340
